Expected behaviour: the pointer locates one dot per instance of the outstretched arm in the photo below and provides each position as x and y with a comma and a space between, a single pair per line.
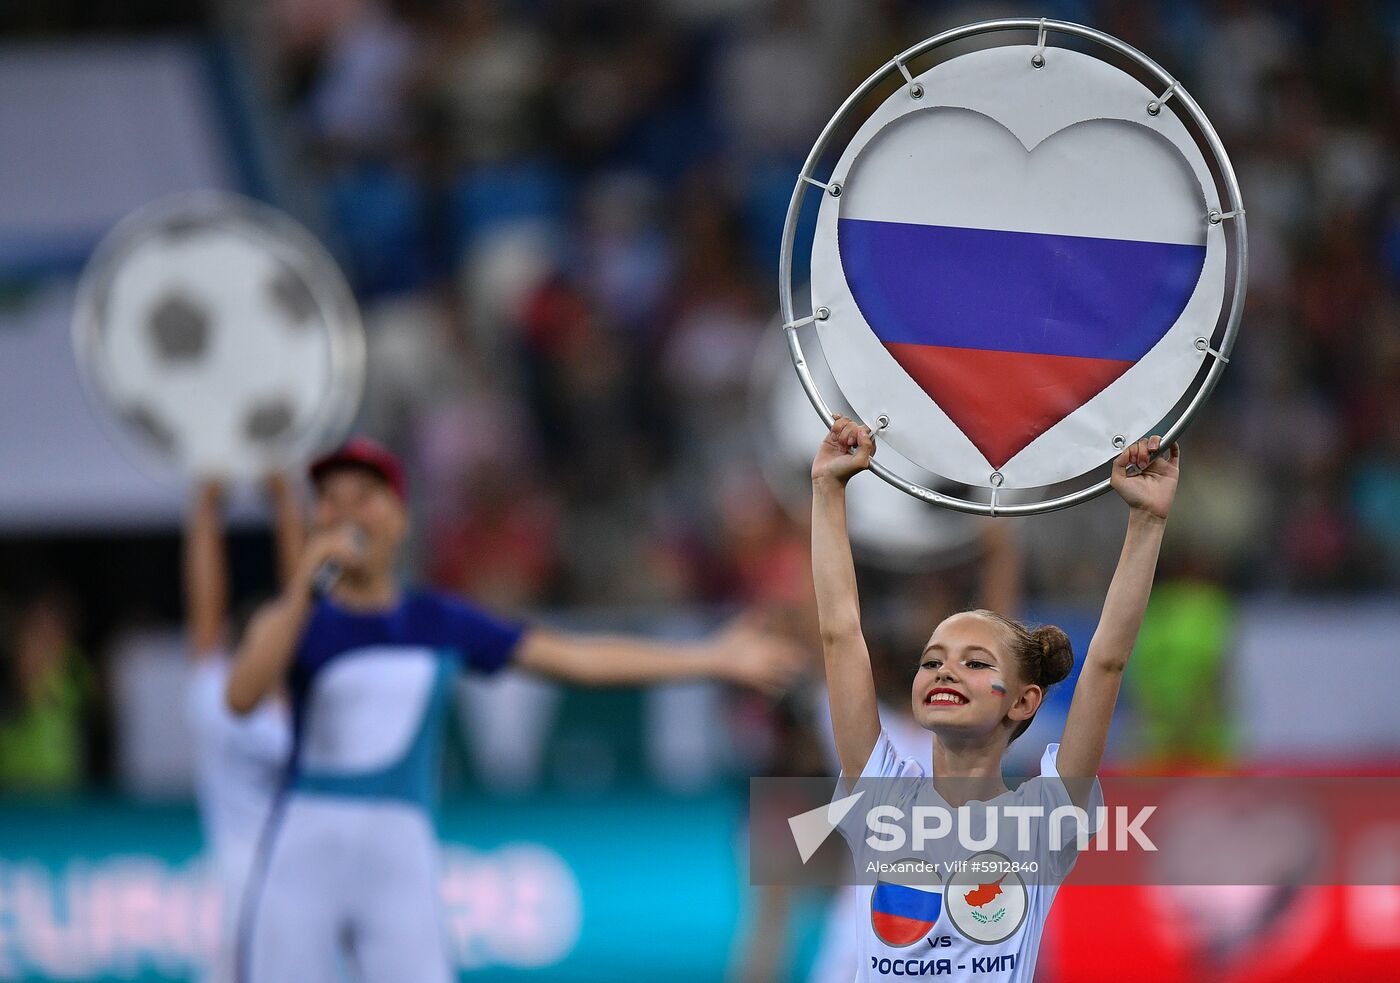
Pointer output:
741, 653
206, 571
850, 684
1149, 496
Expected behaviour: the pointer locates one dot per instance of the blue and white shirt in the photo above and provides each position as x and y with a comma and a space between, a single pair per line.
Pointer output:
370, 690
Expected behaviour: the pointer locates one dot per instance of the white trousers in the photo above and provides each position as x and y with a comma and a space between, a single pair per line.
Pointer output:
346, 884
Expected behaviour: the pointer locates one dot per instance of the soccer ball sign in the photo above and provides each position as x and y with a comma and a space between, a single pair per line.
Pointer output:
220, 336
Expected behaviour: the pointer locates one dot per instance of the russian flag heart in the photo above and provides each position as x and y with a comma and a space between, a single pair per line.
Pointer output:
1011, 324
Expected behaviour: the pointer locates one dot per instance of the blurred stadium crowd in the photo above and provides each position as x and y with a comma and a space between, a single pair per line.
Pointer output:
562, 219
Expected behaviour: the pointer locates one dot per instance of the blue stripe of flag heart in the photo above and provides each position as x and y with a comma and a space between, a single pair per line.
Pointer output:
1016, 291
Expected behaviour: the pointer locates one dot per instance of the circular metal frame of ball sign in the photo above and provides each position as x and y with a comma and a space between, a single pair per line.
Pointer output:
217, 337
1027, 256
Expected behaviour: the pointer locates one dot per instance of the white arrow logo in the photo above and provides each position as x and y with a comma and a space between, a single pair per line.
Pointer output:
810, 829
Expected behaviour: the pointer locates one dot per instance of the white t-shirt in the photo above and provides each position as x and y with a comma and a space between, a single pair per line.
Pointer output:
840, 934
909, 738
239, 764
962, 923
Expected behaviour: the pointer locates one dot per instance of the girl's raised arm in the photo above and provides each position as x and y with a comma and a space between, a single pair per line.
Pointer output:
288, 525
205, 572
850, 686
1148, 487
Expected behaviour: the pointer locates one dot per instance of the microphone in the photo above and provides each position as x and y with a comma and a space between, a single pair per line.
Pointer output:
328, 574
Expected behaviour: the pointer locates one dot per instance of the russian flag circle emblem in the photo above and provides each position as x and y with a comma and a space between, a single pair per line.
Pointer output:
1022, 260
903, 910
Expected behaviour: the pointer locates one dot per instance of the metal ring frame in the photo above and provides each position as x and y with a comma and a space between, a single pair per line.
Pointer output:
1234, 212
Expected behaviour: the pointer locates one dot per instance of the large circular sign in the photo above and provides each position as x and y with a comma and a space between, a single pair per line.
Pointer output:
1024, 259
219, 336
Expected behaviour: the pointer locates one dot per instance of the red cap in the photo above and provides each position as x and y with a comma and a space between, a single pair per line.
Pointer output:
361, 452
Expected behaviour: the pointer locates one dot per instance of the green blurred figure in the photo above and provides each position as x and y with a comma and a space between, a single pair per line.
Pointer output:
43, 701
1178, 684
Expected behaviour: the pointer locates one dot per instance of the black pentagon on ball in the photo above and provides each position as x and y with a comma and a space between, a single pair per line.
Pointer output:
269, 419
180, 328
292, 295
150, 428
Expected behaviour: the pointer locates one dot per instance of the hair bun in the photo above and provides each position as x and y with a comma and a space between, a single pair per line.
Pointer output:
1056, 654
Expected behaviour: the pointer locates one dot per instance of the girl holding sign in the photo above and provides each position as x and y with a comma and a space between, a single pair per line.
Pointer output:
980, 681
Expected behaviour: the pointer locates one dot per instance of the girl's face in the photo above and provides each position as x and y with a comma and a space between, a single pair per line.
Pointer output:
967, 680
356, 496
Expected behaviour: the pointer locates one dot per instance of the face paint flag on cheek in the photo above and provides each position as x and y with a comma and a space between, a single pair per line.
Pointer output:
1020, 267
998, 687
